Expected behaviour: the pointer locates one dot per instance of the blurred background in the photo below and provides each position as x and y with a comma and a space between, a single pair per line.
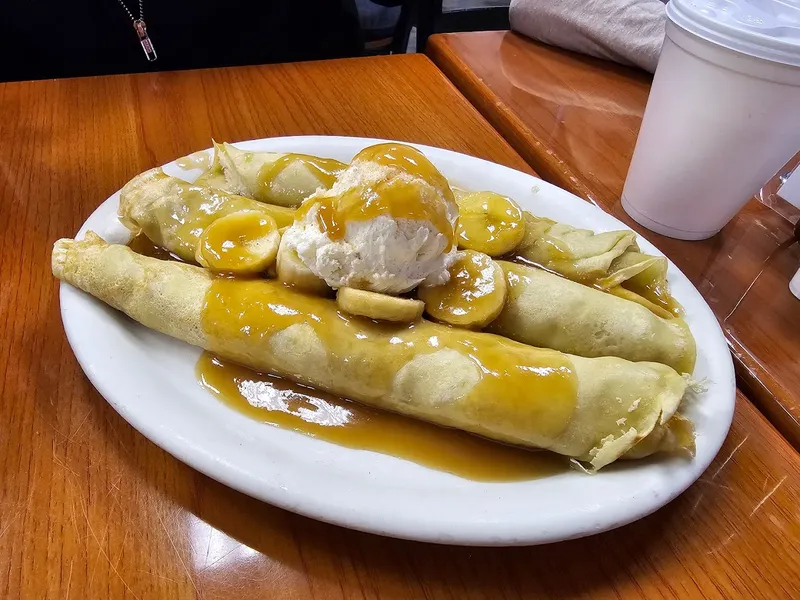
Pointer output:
42, 39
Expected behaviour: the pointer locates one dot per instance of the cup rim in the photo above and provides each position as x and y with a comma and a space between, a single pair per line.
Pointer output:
747, 42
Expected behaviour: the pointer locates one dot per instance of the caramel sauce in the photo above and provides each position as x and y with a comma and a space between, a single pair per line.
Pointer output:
656, 292
516, 279
408, 159
324, 170
626, 294
508, 390
196, 160
141, 244
475, 288
287, 405
400, 199
239, 242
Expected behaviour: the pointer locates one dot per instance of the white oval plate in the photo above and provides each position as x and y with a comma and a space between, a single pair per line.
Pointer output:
149, 379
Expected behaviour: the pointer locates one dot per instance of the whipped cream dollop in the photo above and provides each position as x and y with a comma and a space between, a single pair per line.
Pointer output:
387, 252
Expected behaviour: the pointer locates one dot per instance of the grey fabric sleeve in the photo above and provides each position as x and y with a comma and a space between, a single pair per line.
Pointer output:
626, 31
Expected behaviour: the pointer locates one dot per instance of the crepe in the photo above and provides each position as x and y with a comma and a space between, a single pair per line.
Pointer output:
284, 179
173, 214
213, 177
578, 254
610, 260
644, 277
549, 311
592, 409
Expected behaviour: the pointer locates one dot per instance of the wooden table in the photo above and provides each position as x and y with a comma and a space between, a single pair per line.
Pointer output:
575, 120
91, 509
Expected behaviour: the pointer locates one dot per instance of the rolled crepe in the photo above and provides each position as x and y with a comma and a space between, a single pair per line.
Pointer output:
595, 410
645, 277
578, 254
549, 311
608, 260
173, 214
213, 177
285, 179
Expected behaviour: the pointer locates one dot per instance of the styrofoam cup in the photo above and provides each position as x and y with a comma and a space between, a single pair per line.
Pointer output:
719, 123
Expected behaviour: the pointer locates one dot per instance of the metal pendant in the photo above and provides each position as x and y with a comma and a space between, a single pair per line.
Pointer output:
147, 45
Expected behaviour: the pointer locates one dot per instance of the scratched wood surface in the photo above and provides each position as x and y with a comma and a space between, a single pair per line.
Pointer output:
575, 120
90, 509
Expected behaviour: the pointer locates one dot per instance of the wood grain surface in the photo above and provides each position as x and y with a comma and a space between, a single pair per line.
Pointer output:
575, 120
91, 509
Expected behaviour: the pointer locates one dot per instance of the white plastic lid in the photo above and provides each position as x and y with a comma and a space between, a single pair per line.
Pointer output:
790, 188
768, 29
794, 284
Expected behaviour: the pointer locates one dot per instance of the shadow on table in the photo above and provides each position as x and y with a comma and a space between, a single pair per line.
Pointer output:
325, 553
574, 567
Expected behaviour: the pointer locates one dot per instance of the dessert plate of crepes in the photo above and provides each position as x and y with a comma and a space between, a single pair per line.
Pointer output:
399, 339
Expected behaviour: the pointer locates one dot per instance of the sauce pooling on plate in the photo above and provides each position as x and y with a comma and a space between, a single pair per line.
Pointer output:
281, 403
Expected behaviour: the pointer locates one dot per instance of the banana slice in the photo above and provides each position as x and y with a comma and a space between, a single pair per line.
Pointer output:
489, 223
243, 242
474, 295
293, 271
379, 306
